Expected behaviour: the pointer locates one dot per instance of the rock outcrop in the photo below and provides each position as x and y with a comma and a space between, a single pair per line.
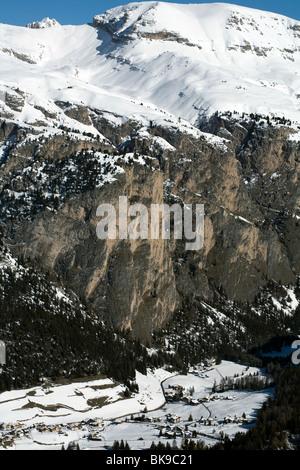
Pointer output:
248, 184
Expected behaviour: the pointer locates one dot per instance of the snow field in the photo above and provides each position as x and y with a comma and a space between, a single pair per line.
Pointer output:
95, 413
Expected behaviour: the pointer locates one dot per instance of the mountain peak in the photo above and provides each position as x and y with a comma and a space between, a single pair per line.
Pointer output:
45, 23
193, 21
208, 55
152, 58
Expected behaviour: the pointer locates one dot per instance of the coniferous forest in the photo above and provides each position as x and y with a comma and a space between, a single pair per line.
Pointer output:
51, 334
278, 421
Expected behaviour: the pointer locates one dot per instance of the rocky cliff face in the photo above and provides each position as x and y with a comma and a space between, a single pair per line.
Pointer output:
245, 172
135, 105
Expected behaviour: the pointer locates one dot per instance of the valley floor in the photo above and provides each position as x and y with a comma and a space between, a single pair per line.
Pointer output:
93, 414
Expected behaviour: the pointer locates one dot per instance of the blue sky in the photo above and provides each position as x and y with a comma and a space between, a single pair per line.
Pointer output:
21, 12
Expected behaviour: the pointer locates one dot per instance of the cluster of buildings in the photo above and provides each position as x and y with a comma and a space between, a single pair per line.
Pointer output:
216, 397
10, 432
178, 393
170, 425
207, 363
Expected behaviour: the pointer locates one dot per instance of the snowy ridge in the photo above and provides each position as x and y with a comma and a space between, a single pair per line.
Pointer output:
45, 23
152, 61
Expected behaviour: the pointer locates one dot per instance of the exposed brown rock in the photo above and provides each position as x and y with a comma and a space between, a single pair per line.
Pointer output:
249, 187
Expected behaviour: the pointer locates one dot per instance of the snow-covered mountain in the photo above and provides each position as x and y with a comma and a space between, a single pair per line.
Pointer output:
152, 61
45, 23
161, 103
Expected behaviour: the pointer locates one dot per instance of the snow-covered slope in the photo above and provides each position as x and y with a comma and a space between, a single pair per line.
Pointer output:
153, 61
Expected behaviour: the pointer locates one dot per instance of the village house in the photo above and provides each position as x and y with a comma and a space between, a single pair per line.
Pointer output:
169, 434
209, 362
194, 402
149, 419
173, 418
205, 399
178, 388
75, 427
55, 429
94, 437
169, 395
235, 419
43, 429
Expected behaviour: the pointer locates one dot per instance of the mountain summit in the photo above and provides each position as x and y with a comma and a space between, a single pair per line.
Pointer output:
200, 58
186, 60
45, 23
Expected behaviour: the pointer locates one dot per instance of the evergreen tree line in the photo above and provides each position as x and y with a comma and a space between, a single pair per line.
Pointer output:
278, 418
48, 337
186, 445
242, 334
49, 183
248, 382
25, 194
120, 445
